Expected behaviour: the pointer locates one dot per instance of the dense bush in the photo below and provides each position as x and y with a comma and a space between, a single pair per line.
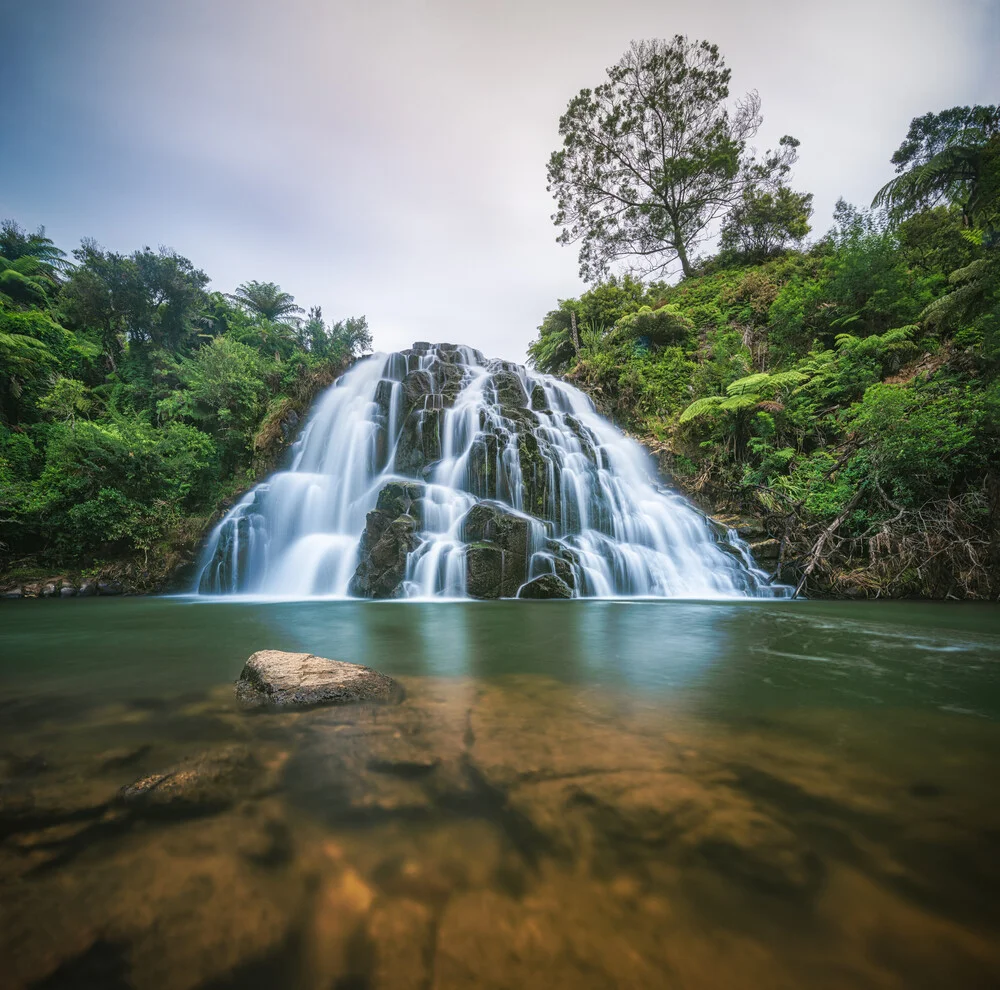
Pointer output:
131, 397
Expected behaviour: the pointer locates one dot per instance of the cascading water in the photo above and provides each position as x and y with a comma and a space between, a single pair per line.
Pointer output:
434, 472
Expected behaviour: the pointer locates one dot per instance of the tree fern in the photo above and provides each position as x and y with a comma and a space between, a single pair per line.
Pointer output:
701, 407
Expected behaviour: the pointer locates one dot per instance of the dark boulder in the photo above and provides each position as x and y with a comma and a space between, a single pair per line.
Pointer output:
483, 466
546, 586
390, 536
109, 588
511, 395
274, 679
497, 558
400, 498
564, 561
494, 522
484, 571
766, 551
289, 425
417, 385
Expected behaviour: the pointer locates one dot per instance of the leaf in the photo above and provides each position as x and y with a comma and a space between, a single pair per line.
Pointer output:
701, 407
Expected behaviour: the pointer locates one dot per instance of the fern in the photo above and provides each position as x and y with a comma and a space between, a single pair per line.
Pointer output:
701, 407
737, 403
766, 385
751, 383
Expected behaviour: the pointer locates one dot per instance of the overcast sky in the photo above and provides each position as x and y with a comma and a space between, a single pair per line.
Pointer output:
388, 158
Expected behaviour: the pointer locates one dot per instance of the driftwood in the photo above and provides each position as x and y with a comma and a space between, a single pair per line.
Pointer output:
817, 550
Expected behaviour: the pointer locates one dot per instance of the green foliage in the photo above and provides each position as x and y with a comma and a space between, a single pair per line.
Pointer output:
67, 399
130, 396
948, 157
856, 381
918, 442
267, 301
224, 387
596, 312
766, 221
661, 327
106, 486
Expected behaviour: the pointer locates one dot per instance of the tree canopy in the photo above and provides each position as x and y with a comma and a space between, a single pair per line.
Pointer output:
652, 157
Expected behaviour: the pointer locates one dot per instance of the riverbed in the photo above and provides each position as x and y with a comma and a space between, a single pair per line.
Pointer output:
573, 794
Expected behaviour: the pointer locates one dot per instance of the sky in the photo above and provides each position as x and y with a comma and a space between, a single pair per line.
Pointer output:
388, 157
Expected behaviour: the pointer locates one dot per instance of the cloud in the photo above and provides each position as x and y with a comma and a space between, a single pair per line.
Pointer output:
389, 158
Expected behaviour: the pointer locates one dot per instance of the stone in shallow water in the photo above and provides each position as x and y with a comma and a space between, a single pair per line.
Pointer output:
207, 783
272, 679
546, 586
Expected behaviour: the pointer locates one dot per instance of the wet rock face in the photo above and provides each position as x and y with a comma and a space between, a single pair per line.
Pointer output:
390, 535
499, 550
546, 586
510, 392
484, 571
273, 679
495, 523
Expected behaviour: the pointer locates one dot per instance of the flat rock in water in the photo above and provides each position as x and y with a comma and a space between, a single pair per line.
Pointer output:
201, 785
272, 678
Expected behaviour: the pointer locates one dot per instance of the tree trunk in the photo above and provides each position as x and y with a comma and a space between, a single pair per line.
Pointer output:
683, 257
574, 332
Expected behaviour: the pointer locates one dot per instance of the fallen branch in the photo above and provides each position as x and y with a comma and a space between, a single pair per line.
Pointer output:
817, 549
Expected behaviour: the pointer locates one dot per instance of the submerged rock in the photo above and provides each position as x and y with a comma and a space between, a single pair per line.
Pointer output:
274, 679
200, 786
546, 586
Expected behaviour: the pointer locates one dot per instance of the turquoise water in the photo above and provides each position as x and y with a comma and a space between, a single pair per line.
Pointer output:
581, 793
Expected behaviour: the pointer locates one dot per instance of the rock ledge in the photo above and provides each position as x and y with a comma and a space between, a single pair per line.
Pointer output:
273, 679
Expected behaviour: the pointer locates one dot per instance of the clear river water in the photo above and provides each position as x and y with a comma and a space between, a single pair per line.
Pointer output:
772, 794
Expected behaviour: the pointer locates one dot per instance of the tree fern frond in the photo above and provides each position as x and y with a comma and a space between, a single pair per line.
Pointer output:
701, 407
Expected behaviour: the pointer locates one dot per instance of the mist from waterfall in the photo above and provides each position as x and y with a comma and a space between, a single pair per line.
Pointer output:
467, 429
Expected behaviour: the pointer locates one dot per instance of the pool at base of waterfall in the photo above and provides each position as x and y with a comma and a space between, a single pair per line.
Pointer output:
582, 794
434, 472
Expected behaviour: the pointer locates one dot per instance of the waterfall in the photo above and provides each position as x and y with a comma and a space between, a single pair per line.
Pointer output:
436, 472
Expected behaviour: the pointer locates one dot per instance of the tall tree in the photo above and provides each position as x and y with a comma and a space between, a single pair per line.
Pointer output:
948, 157
652, 157
148, 299
266, 299
17, 243
953, 157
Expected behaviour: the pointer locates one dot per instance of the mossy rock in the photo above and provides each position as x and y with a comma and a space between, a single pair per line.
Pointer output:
539, 400
390, 536
545, 586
